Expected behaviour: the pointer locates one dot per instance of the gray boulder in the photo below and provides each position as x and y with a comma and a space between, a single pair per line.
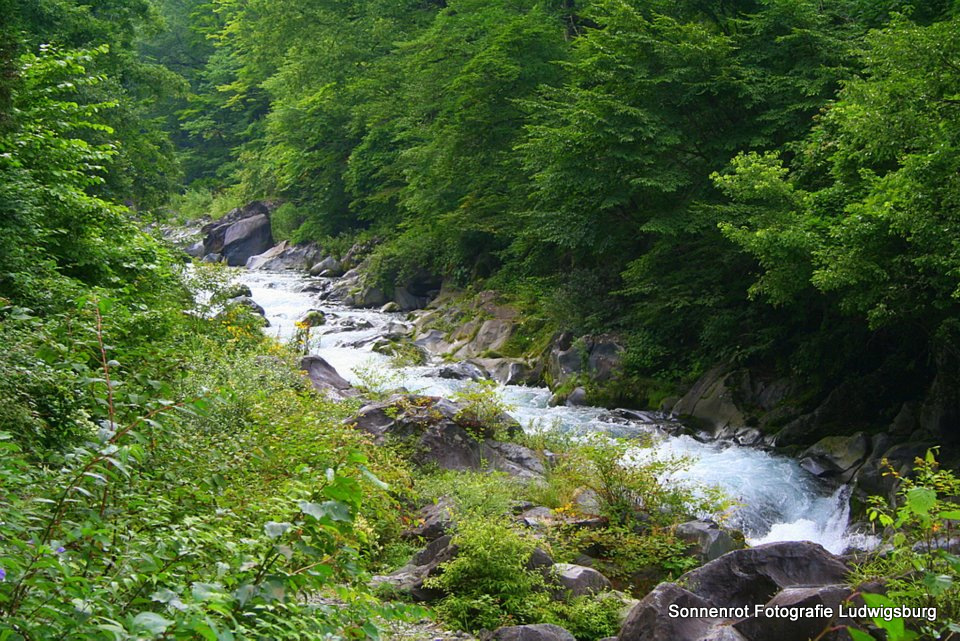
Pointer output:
462, 371
707, 540
325, 378
579, 580
577, 398
836, 457
284, 256
426, 563
511, 371
755, 575
238, 241
772, 573
390, 308
649, 620
535, 632
433, 520
442, 435
249, 303
329, 266
783, 629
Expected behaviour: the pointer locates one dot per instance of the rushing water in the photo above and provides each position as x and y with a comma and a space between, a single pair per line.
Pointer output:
777, 500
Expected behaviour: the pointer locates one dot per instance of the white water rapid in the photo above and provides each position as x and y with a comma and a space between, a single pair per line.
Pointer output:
777, 500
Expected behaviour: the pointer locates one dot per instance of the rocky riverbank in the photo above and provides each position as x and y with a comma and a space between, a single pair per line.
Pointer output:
484, 338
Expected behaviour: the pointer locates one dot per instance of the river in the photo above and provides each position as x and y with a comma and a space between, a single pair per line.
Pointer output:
776, 499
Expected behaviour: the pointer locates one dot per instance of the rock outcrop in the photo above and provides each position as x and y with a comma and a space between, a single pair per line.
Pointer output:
442, 433
242, 233
325, 378
285, 256
775, 573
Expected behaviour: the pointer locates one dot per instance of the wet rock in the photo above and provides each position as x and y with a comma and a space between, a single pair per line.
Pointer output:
836, 456
579, 580
577, 398
462, 371
708, 541
390, 308
325, 378
328, 267
212, 257
535, 632
284, 256
195, 250
510, 371
313, 318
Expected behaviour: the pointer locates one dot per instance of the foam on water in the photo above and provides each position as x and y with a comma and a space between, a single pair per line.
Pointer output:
777, 500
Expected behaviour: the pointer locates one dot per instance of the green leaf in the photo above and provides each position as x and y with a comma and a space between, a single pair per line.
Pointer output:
920, 500
859, 635
373, 478
334, 510
273, 529
937, 584
152, 622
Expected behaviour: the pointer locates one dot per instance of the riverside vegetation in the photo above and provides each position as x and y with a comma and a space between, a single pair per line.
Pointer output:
770, 183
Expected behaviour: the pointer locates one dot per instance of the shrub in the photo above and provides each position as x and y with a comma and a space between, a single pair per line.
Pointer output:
488, 584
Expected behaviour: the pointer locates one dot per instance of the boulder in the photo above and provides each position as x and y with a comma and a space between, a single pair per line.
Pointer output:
433, 341
285, 256
755, 575
390, 308
462, 371
442, 436
325, 378
786, 572
313, 318
194, 250
577, 398
836, 457
579, 580
247, 302
712, 400
329, 267
534, 632
242, 233
707, 540
212, 257
510, 371
650, 620
433, 520
426, 563
804, 628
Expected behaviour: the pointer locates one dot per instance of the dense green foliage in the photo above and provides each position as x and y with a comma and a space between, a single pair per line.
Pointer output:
765, 182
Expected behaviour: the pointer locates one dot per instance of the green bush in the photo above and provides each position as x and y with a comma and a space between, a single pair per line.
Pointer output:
914, 563
488, 584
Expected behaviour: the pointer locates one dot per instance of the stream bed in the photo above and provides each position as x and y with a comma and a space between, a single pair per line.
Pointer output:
776, 499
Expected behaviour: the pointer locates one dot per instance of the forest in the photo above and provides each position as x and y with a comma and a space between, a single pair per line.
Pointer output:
769, 187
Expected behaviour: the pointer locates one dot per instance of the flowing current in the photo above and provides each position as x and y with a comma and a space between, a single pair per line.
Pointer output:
776, 500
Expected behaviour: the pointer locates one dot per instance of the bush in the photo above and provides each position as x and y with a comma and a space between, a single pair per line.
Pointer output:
488, 584
914, 563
